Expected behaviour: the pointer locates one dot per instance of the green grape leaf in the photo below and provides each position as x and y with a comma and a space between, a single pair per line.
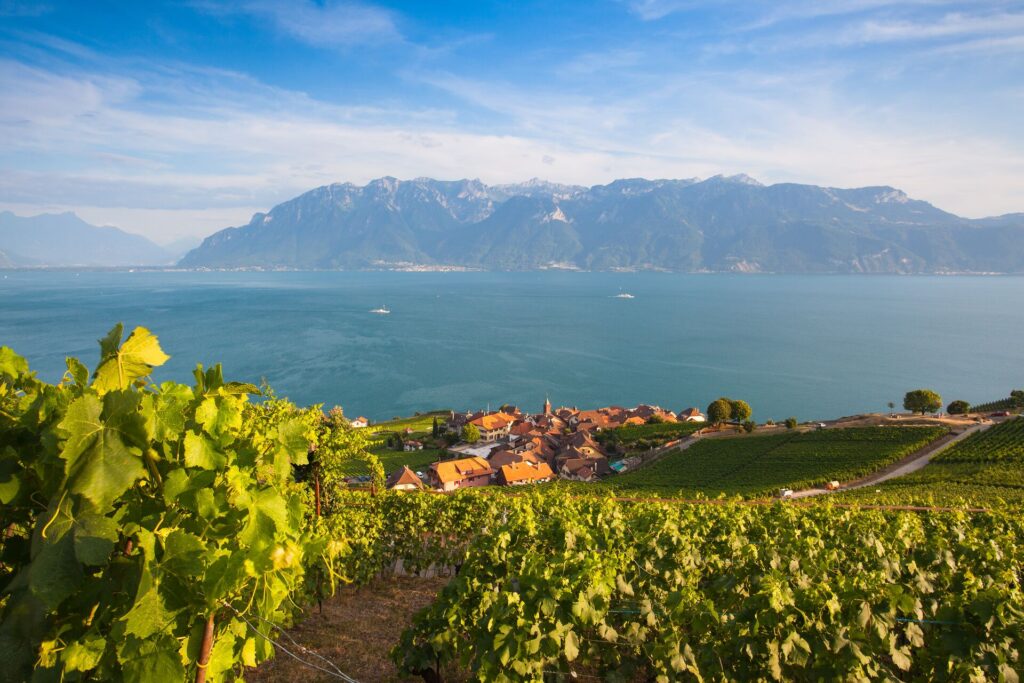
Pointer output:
219, 415
183, 553
571, 646
148, 615
10, 478
136, 358
292, 436
151, 660
55, 573
100, 466
12, 365
201, 452
77, 370
84, 654
95, 537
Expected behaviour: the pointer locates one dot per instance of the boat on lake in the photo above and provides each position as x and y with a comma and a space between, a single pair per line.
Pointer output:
383, 310
624, 295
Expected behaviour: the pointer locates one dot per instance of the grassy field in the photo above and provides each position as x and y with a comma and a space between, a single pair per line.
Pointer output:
986, 469
756, 466
420, 424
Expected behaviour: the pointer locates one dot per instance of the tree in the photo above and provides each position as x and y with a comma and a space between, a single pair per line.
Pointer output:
749, 426
922, 401
741, 410
958, 408
655, 420
1017, 398
892, 406
435, 430
791, 423
720, 411
470, 434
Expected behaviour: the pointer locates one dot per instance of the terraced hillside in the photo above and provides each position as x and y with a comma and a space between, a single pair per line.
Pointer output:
756, 466
986, 469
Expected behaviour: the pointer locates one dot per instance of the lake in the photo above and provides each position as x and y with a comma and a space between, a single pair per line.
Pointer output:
807, 346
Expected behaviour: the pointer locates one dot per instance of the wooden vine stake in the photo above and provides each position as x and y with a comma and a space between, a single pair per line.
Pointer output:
204, 651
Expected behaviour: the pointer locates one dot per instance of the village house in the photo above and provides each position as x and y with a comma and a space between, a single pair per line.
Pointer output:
493, 426
412, 445
404, 480
450, 475
359, 422
692, 415
525, 472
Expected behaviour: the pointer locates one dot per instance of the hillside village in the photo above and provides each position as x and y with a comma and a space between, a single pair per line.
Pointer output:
508, 447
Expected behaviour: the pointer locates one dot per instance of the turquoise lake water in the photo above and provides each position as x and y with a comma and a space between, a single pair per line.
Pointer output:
809, 346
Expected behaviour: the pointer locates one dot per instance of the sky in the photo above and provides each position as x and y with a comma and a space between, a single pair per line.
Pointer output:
175, 119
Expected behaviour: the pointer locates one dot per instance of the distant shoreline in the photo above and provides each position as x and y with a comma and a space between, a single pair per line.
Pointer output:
469, 269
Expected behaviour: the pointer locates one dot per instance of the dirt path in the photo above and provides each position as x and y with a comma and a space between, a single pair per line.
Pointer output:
911, 463
356, 631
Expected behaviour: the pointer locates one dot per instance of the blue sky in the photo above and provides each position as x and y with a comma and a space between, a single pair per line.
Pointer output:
177, 118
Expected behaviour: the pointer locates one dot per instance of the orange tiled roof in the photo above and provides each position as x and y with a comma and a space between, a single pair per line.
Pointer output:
457, 470
493, 421
525, 471
404, 476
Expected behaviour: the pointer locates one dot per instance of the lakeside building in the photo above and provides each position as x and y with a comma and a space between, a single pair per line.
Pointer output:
450, 475
493, 426
359, 422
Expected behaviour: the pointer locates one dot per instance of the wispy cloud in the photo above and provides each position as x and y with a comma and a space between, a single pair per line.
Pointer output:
332, 24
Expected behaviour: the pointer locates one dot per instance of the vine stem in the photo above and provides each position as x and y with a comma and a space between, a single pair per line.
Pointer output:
204, 650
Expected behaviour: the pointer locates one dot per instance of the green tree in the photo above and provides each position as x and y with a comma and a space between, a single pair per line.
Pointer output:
720, 411
922, 401
1017, 398
470, 434
741, 410
655, 420
892, 406
958, 408
749, 426
435, 430
791, 423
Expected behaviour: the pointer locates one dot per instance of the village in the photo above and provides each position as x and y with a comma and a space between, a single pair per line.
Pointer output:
508, 447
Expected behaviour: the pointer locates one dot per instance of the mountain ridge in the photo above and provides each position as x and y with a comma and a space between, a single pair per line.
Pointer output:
64, 239
722, 223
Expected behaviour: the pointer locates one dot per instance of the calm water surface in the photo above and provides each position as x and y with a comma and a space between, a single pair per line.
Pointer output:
809, 346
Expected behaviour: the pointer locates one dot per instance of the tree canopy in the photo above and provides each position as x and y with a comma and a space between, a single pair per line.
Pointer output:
470, 434
922, 401
720, 411
958, 408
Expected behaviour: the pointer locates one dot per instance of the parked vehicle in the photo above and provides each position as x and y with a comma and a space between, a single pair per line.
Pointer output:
785, 493
832, 486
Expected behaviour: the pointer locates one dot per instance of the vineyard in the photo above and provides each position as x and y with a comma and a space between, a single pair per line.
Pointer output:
631, 438
170, 532
986, 469
760, 465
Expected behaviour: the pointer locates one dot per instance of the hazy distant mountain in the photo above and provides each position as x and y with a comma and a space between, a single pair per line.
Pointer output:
181, 246
719, 224
66, 240
6, 261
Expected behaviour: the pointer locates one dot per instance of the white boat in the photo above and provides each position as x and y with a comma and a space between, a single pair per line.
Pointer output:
383, 310
624, 295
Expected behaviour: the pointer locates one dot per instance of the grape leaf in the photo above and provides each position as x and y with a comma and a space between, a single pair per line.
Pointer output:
136, 358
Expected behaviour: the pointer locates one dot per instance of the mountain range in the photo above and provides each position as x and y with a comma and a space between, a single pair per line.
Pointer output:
719, 224
64, 239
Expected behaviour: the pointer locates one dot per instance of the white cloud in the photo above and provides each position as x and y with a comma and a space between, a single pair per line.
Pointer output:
331, 24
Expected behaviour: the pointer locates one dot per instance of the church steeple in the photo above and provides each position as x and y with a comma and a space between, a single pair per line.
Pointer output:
547, 405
